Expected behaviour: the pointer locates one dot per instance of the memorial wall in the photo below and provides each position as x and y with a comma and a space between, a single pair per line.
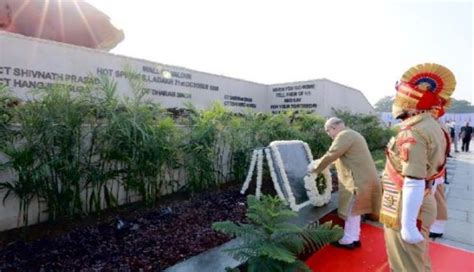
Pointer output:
319, 96
29, 63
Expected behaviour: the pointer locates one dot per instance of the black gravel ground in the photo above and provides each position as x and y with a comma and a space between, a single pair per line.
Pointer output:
149, 240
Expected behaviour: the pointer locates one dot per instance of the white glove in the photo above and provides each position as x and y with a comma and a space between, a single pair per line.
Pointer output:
413, 192
436, 182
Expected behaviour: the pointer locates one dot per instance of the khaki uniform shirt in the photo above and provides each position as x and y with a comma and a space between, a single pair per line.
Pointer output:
359, 184
417, 151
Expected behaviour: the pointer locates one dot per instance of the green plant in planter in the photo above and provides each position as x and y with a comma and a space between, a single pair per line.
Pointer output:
270, 242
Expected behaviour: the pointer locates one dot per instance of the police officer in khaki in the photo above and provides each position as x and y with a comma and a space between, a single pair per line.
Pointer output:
416, 157
359, 184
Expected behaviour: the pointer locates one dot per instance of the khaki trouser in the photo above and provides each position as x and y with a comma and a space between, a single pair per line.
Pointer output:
441, 207
405, 257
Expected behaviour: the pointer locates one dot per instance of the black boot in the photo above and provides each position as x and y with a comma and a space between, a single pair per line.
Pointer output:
435, 235
350, 246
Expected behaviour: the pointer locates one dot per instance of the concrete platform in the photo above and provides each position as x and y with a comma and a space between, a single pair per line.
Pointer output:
459, 231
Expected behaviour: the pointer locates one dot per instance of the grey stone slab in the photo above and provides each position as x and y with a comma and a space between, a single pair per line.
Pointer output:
455, 244
460, 204
464, 172
459, 231
464, 163
464, 187
461, 170
310, 214
457, 215
462, 194
211, 260
470, 218
463, 175
295, 161
461, 179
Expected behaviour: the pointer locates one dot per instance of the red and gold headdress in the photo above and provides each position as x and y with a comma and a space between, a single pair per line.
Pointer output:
427, 86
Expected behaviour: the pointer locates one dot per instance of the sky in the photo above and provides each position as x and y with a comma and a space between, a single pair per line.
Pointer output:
366, 45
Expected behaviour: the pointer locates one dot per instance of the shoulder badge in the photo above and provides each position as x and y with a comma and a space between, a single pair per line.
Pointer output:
403, 145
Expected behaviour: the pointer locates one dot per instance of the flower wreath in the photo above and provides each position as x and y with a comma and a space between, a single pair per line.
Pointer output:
314, 183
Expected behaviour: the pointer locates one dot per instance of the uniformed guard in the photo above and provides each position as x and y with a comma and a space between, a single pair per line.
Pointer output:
416, 157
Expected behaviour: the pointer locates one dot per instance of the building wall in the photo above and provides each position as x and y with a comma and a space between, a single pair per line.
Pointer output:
28, 63
320, 96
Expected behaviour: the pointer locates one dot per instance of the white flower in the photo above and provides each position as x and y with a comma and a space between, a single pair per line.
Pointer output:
310, 167
259, 173
273, 174
276, 154
273, 154
316, 198
250, 173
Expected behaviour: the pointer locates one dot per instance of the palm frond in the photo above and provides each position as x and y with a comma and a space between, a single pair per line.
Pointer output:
270, 242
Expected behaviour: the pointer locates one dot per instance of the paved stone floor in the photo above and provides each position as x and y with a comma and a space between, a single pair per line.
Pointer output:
459, 230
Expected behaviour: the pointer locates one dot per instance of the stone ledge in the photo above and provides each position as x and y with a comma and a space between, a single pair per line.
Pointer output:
217, 260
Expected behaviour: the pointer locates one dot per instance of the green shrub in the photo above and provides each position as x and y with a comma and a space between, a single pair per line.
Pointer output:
64, 145
370, 126
311, 129
379, 159
270, 242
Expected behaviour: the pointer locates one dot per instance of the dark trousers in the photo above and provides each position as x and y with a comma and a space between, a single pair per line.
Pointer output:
465, 144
